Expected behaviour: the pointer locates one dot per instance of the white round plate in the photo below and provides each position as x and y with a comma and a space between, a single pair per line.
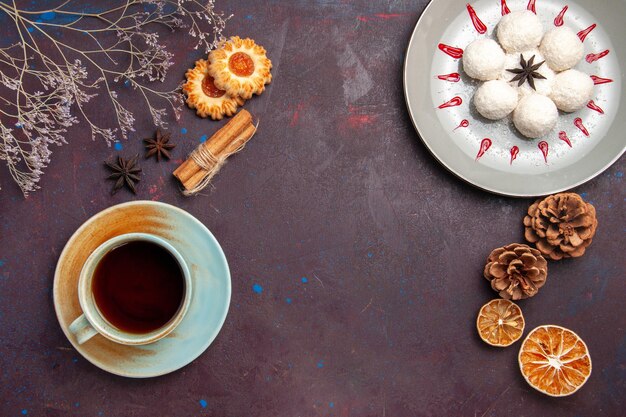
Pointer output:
493, 155
210, 281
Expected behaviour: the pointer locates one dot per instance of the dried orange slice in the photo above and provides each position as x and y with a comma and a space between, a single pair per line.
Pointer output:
554, 360
500, 322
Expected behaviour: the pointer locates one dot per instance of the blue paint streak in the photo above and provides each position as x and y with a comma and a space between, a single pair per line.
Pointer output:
75, 360
118, 146
1, 262
583, 195
183, 130
76, 404
24, 411
304, 280
257, 288
127, 83
249, 17
288, 300
60, 18
619, 174
203, 403
320, 364
331, 404
370, 254
48, 15
31, 29
203, 138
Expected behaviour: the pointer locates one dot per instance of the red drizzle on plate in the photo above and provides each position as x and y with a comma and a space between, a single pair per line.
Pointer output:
578, 122
599, 80
564, 138
478, 24
455, 101
594, 57
543, 146
454, 77
464, 123
558, 21
514, 152
504, 9
485, 144
594, 106
582, 35
455, 53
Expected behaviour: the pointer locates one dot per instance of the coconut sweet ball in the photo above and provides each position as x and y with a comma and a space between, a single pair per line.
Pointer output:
535, 116
483, 59
571, 90
561, 48
519, 31
495, 99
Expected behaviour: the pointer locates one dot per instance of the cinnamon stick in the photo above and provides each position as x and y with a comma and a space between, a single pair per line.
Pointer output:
216, 144
239, 141
229, 139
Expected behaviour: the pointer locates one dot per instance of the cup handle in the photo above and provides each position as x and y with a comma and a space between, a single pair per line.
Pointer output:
82, 329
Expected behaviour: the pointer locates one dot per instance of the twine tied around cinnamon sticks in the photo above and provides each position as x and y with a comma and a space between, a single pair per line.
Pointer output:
209, 157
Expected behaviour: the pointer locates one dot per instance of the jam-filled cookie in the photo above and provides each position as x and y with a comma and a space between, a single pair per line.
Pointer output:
205, 97
240, 67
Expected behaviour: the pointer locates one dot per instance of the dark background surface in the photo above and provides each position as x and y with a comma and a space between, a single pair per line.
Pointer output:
337, 188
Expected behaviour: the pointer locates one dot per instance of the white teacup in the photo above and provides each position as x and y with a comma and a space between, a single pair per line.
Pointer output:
92, 321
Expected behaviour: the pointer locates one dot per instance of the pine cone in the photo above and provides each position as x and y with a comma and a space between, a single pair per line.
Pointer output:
516, 271
561, 225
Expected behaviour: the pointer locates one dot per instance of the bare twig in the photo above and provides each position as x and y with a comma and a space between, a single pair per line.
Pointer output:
46, 81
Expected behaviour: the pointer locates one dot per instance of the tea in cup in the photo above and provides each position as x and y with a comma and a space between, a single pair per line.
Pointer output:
134, 289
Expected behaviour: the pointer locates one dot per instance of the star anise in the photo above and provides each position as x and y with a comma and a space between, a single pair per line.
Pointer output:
527, 72
159, 145
125, 171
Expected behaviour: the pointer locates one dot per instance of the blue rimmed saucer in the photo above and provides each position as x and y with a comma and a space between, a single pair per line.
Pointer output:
209, 272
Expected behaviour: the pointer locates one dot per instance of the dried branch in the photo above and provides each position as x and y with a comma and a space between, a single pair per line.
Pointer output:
61, 59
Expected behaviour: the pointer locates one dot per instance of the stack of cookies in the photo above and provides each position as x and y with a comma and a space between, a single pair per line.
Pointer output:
232, 73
